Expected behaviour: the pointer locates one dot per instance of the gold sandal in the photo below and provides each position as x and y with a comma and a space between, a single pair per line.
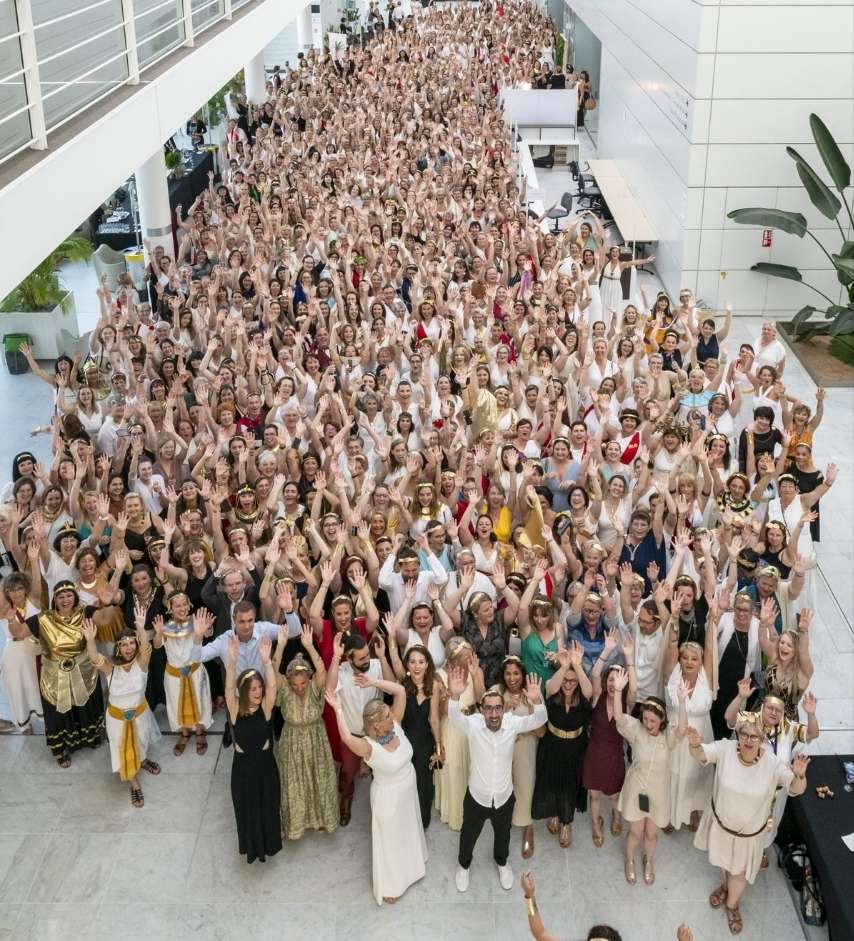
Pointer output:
648, 871
629, 867
565, 838
552, 825
598, 837
528, 842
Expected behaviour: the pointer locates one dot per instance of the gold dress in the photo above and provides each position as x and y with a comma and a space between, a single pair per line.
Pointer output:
70, 691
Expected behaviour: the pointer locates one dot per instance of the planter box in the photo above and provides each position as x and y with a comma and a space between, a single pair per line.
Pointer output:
44, 326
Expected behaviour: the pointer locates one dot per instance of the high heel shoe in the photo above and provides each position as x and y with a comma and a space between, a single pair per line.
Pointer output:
631, 876
648, 871
598, 837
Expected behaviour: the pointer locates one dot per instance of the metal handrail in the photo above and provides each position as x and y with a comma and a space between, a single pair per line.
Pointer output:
154, 9
79, 78
68, 16
83, 42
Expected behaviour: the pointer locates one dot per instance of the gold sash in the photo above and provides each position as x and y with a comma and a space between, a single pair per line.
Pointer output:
560, 733
129, 760
68, 682
188, 707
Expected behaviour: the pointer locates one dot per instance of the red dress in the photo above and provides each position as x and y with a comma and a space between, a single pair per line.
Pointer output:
604, 765
325, 649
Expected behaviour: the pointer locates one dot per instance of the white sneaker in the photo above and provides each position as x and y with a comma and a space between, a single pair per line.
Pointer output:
462, 879
505, 877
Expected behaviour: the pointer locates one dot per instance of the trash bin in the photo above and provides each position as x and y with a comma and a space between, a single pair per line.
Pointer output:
16, 362
135, 263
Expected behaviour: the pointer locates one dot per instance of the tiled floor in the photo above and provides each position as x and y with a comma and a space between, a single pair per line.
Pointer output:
78, 862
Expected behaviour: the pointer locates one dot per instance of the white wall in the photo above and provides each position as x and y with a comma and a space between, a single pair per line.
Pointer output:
47, 201
696, 103
768, 67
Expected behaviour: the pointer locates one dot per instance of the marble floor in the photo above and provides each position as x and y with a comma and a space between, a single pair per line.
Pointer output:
77, 861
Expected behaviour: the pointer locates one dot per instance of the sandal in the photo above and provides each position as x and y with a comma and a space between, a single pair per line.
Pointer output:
629, 869
565, 838
733, 920
64, 760
527, 842
136, 797
648, 871
616, 824
181, 744
718, 897
201, 743
552, 825
150, 766
764, 863
218, 703
598, 836
344, 810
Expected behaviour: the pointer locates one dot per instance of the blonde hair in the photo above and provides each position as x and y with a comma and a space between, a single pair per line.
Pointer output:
372, 714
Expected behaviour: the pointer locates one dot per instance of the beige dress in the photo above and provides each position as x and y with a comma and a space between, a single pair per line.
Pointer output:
690, 782
524, 767
649, 772
451, 780
179, 643
742, 797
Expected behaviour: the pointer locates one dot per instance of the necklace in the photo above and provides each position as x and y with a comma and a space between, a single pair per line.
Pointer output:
752, 761
385, 739
88, 585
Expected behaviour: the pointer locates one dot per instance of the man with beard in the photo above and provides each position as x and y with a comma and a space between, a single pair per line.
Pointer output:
347, 678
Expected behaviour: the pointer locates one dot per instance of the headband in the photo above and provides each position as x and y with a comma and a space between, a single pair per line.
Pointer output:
248, 676
654, 706
492, 691
773, 701
770, 571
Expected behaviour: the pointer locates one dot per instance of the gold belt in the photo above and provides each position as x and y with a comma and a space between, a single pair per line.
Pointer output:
130, 759
188, 707
560, 733
68, 682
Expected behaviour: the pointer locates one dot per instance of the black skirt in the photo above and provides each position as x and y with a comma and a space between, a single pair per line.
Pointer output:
80, 727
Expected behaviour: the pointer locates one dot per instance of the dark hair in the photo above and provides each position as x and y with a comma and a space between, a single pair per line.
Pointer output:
429, 672
764, 411
604, 933
651, 702
244, 681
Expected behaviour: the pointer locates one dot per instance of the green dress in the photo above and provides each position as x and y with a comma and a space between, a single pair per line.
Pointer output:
534, 656
306, 769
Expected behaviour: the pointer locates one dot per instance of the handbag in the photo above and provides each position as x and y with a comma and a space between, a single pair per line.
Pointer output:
812, 903
591, 104
794, 863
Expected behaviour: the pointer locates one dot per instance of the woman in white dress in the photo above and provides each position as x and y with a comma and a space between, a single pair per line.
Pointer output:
130, 723
188, 693
736, 819
398, 847
18, 657
610, 286
590, 273
693, 665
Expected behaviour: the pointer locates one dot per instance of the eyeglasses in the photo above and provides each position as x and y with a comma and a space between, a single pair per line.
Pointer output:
746, 737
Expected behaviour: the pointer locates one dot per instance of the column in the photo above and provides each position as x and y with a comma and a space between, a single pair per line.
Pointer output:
256, 79
304, 29
152, 192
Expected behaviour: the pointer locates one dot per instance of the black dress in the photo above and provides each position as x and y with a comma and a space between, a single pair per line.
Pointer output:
255, 789
416, 724
730, 671
558, 791
155, 688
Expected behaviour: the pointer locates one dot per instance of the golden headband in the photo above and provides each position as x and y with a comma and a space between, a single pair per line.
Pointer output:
248, 676
774, 701
656, 707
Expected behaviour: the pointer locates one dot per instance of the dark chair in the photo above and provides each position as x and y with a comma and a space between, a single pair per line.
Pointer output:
584, 180
560, 212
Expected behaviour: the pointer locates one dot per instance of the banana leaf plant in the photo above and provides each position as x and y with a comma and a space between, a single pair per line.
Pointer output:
831, 206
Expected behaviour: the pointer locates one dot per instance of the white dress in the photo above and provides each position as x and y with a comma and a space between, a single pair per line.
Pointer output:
742, 796
398, 847
690, 782
126, 692
611, 291
179, 653
18, 673
594, 311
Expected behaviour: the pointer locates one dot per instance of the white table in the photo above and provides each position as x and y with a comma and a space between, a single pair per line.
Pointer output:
625, 208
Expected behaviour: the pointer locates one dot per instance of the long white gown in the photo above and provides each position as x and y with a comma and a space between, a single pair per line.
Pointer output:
18, 673
179, 649
126, 692
690, 782
398, 847
611, 292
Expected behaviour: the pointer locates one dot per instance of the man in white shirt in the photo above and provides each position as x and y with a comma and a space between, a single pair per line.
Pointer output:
409, 570
491, 734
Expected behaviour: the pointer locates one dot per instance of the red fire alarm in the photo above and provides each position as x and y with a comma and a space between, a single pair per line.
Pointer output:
767, 237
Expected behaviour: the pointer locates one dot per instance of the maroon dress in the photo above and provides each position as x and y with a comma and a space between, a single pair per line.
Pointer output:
604, 764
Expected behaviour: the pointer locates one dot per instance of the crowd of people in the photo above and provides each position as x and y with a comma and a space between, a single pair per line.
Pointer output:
411, 486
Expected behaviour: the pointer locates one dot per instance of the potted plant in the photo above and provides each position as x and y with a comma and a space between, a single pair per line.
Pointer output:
41, 305
175, 163
838, 318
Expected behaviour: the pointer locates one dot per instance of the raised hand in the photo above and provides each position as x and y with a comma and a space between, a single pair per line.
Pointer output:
532, 688
90, 631
203, 622
233, 649
159, 625
456, 681
694, 737
800, 763
621, 679
612, 639
265, 646
683, 691
745, 688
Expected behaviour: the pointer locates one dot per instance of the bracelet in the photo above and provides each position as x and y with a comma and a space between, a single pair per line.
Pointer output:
103, 519
532, 906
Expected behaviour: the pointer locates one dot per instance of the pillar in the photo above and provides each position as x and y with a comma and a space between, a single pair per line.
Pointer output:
256, 79
304, 29
152, 193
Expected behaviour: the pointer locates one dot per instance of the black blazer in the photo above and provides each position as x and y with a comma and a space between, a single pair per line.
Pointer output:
218, 604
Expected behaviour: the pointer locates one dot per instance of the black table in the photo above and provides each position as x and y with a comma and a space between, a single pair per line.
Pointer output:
183, 192
822, 824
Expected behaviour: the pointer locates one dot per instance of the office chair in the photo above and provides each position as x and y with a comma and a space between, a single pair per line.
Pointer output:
560, 212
